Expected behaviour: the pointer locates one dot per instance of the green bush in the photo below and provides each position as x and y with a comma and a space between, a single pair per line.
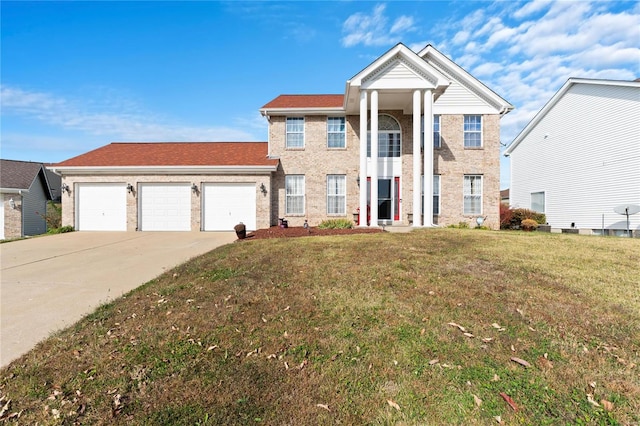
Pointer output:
61, 230
512, 218
336, 224
460, 225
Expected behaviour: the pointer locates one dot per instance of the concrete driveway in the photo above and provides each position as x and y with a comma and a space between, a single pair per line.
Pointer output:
51, 282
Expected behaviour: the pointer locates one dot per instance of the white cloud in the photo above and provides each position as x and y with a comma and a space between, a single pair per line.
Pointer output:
531, 8
372, 29
109, 120
461, 37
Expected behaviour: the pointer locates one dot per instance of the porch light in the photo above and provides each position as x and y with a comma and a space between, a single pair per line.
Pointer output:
358, 180
194, 188
130, 188
65, 188
263, 189
12, 204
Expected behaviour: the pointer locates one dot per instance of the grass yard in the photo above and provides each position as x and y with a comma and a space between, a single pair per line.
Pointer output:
442, 326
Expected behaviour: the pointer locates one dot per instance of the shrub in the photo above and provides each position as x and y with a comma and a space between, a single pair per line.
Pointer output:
529, 224
336, 224
460, 225
61, 230
512, 218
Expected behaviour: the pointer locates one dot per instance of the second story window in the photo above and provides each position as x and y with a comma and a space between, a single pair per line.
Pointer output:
473, 131
389, 143
336, 132
295, 132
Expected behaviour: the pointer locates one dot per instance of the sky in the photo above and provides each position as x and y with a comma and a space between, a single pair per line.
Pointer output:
79, 75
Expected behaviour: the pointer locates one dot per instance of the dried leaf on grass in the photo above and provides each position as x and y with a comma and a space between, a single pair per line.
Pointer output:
509, 401
608, 405
477, 400
520, 361
461, 328
326, 407
592, 401
393, 404
434, 361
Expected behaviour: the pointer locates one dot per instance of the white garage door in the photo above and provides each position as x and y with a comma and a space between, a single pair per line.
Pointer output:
101, 207
227, 204
165, 207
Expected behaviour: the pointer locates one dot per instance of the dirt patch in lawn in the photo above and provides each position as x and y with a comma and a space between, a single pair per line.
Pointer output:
299, 231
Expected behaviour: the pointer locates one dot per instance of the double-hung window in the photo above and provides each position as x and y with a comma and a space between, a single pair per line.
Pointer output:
294, 194
472, 131
336, 132
537, 201
336, 195
437, 143
472, 190
436, 194
295, 132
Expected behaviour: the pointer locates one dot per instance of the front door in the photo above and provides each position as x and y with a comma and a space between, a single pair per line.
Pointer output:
388, 198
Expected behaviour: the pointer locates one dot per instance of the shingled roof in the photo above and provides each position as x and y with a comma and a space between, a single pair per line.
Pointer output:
131, 154
19, 175
306, 101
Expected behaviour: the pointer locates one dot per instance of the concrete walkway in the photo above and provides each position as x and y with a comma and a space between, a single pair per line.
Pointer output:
51, 282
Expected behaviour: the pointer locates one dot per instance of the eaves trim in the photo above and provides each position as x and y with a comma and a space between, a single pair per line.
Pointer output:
166, 170
305, 111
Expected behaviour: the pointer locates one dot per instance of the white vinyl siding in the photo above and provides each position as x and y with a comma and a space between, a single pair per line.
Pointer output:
472, 190
294, 197
336, 132
472, 131
585, 153
295, 132
336, 195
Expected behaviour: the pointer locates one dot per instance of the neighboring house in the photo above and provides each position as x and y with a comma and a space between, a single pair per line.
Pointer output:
315, 165
579, 157
25, 190
504, 196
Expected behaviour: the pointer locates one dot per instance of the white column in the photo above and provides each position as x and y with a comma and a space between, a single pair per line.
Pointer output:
417, 160
428, 158
363, 158
374, 158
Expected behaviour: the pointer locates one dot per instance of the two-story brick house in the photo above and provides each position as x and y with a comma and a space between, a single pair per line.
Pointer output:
316, 165
327, 169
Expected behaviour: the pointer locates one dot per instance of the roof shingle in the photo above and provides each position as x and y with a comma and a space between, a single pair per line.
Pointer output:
306, 101
174, 154
18, 174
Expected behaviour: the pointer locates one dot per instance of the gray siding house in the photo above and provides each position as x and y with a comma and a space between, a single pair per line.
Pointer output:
25, 189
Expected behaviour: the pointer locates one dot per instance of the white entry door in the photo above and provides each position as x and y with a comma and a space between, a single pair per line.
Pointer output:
165, 206
227, 204
101, 207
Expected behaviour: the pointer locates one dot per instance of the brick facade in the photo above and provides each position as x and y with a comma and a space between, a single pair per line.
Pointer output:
12, 217
451, 161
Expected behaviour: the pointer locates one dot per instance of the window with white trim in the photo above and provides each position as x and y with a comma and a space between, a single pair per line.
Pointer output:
336, 195
436, 194
295, 132
336, 132
389, 142
294, 194
437, 143
537, 201
472, 190
472, 131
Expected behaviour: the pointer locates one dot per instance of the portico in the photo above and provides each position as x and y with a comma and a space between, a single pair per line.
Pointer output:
399, 80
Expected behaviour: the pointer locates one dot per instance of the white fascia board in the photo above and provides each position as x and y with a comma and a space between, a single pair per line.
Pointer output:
166, 170
465, 78
301, 111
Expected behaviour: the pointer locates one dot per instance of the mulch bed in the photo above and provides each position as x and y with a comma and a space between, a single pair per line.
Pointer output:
299, 231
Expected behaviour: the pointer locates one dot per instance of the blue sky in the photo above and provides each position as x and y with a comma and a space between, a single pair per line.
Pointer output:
79, 75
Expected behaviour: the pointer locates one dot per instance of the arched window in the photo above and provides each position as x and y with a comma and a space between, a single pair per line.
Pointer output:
389, 141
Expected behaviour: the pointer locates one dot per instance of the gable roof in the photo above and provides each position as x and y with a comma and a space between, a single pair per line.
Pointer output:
556, 98
18, 176
205, 156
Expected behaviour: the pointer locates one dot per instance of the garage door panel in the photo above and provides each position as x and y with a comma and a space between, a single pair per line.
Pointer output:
227, 204
101, 207
165, 207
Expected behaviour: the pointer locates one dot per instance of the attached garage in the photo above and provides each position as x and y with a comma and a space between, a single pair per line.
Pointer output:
101, 206
165, 206
227, 204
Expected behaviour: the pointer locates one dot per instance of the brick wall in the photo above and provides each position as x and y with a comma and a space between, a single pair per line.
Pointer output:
12, 217
452, 162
